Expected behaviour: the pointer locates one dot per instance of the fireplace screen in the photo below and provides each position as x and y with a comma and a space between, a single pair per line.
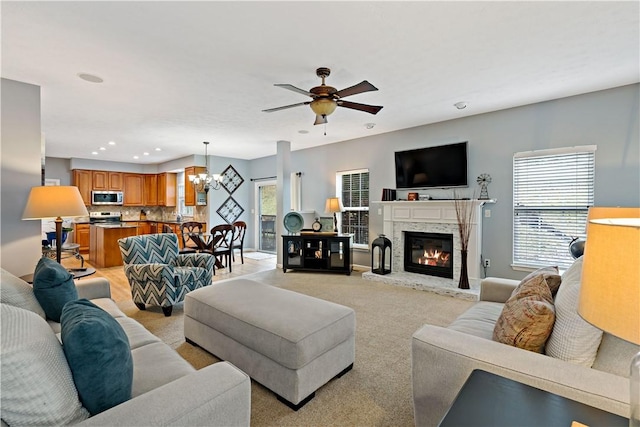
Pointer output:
429, 253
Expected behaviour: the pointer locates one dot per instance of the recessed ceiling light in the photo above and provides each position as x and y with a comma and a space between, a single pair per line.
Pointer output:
102, 149
90, 78
136, 157
460, 105
158, 149
302, 131
369, 125
112, 143
95, 153
145, 153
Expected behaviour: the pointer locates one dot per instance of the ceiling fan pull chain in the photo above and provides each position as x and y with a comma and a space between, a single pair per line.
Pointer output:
325, 128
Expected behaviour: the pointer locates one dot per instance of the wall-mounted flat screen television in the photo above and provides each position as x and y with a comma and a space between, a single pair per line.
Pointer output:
441, 166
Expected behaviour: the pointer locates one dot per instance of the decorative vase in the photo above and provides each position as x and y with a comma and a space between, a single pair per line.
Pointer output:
464, 276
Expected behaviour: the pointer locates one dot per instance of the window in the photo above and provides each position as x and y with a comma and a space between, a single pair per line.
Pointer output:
353, 189
552, 193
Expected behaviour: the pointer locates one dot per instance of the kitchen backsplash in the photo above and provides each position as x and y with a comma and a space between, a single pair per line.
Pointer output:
153, 213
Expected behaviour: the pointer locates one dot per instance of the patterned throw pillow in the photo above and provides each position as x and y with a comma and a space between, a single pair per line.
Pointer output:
37, 387
573, 339
552, 274
528, 315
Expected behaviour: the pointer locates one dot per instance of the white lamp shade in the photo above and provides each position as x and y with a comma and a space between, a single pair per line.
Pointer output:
53, 202
333, 205
610, 289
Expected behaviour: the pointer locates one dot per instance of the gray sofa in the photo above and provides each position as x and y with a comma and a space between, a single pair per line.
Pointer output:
443, 358
166, 390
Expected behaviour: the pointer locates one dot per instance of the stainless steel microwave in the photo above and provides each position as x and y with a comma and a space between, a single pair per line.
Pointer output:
106, 197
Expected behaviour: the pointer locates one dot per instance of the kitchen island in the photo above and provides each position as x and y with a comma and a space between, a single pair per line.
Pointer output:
103, 247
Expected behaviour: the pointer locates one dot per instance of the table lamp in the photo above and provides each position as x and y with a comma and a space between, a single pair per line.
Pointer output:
55, 202
610, 290
333, 206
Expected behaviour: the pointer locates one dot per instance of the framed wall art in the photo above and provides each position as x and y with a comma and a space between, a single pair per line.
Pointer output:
230, 210
231, 179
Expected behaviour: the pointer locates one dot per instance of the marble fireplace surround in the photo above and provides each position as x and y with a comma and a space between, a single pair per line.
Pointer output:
432, 216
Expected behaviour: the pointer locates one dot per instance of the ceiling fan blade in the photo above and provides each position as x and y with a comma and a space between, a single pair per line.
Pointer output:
373, 109
293, 88
363, 86
320, 120
271, 110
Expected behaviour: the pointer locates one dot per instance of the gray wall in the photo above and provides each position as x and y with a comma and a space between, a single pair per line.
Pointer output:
20, 241
608, 119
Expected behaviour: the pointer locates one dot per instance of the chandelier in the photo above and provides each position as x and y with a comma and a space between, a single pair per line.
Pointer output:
205, 181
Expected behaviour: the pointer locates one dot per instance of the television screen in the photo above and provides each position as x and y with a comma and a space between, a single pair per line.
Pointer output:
429, 167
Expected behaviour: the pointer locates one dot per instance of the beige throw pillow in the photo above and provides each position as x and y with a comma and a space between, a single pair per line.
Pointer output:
37, 386
528, 315
573, 339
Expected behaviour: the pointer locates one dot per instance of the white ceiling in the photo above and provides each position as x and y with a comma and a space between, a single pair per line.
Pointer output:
177, 73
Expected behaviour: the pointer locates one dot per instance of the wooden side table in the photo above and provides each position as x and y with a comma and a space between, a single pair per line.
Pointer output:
487, 399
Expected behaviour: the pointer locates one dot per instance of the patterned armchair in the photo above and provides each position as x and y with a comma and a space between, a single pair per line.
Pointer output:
158, 274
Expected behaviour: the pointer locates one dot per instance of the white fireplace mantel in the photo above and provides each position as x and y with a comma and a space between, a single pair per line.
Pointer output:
436, 216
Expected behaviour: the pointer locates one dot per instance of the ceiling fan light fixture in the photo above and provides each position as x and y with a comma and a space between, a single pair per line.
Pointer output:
323, 106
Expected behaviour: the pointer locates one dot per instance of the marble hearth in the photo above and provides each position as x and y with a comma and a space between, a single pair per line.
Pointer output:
432, 216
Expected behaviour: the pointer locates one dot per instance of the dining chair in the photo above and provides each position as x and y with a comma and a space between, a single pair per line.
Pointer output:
189, 245
237, 240
220, 243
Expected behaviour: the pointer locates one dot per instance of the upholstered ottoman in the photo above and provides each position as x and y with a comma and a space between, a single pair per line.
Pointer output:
289, 342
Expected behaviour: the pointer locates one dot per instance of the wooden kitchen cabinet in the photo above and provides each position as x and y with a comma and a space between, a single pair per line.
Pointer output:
83, 180
167, 183
81, 235
144, 227
151, 190
189, 191
133, 189
107, 181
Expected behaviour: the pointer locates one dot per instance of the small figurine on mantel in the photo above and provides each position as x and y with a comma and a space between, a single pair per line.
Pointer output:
483, 180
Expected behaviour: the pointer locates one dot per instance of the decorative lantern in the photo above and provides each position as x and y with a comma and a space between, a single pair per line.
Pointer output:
382, 256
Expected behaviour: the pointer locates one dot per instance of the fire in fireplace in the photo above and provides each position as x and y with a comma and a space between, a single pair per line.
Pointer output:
428, 253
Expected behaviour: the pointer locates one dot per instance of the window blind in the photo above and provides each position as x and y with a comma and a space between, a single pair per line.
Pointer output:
552, 193
353, 189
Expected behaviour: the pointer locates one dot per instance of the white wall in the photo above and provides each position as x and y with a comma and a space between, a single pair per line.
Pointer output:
20, 242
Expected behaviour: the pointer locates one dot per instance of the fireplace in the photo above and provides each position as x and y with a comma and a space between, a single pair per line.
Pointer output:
429, 253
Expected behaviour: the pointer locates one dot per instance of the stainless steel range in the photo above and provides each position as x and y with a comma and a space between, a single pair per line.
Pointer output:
104, 217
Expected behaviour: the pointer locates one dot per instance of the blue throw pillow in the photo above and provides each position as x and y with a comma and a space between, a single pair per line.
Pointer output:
53, 287
99, 355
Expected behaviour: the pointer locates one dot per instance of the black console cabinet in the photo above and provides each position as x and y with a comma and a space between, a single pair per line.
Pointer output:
318, 252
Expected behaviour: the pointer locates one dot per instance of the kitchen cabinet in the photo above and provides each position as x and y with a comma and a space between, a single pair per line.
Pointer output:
81, 235
144, 227
83, 180
151, 190
318, 252
189, 190
107, 181
133, 189
166, 190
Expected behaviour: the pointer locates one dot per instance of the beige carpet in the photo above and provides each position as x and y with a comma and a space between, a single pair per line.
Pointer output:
377, 392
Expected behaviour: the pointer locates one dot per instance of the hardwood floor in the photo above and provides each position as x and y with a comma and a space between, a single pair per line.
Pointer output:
120, 290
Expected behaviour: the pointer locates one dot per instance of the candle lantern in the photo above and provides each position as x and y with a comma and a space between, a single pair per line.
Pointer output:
381, 255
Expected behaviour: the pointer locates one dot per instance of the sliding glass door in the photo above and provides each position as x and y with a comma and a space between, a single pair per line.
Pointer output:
266, 216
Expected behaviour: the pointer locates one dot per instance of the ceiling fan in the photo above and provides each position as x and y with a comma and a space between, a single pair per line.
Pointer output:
325, 98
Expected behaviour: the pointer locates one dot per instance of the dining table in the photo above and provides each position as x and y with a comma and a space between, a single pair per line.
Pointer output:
206, 243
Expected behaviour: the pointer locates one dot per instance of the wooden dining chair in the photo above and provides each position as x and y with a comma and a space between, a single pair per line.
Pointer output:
237, 241
220, 243
189, 245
